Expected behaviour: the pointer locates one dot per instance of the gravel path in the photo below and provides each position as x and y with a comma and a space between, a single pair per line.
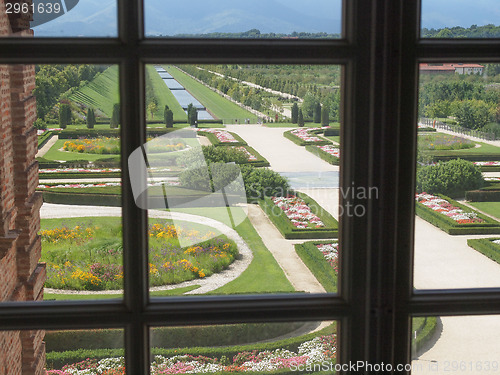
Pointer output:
49, 211
47, 146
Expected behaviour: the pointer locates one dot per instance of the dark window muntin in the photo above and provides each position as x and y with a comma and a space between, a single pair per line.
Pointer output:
380, 54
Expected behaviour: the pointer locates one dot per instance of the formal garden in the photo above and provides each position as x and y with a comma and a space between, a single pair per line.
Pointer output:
84, 255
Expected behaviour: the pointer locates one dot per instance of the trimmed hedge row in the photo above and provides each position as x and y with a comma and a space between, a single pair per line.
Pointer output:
466, 155
425, 332
319, 266
213, 139
323, 155
486, 168
486, 247
78, 175
44, 138
86, 199
289, 231
288, 134
333, 131
59, 359
426, 129
171, 337
450, 226
483, 195
96, 133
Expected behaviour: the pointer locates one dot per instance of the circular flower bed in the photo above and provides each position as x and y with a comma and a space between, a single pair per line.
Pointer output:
88, 256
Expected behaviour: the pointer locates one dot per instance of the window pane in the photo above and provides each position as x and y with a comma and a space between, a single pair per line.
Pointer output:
460, 19
59, 18
457, 202
456, 344
263, 347
243, 19
61, 352
229, 181
61, 178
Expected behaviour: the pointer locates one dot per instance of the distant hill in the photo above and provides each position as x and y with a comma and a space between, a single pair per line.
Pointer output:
98, 17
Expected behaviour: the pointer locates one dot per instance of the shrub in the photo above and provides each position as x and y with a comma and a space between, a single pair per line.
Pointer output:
452, 178
263, 182
492, 127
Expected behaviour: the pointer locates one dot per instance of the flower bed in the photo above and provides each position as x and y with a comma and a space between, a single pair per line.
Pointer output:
322, 349
299, 216
440, 141
221, 137
111, 145
89, 257
103, 184
487, 163
322, 259
298, 212
452, 217
307, 136
329, 153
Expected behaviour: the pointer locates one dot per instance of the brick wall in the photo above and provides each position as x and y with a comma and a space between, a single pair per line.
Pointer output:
21, 274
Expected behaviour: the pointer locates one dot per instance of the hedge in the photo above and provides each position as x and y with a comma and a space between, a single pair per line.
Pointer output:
466, 155
288, 134
113, 162
323, 154
487, 168
425, 331
333, 131
426, 129
86, 199
289, 231
486, 247
58, 359
213, 139
450, 226
44, 138
96, 133
319, 266
483, 195
78, 175
260, 162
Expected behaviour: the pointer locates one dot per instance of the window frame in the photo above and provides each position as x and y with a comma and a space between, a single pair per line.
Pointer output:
380, 52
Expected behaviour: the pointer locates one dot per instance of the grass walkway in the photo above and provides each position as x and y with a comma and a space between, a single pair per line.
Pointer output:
216, 104
164, 96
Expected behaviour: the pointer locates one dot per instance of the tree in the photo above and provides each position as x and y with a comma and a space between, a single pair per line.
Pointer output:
90, 118
169, 118
300, 120
165, 113
295, 113
152, 107
115, 118
309, 104
65, 115
325, 117
473, 114
317, 113
192, 115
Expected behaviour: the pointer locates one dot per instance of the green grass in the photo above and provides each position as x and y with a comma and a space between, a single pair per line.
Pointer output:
55, 154
334, 138
491, 208
101, 93
264, 275
216, 104
164, 97
161, 293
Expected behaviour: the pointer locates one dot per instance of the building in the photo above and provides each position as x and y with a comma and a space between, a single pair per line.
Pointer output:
451, 68
21, 274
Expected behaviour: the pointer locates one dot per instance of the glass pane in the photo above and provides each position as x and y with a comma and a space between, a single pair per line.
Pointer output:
456, 345
243, 19
460, 19
237, 203
263, 347
59, 18
457, 201
61, 215
61, 352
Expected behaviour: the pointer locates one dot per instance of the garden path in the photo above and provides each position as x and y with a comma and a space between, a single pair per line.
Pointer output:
455, 265
50, 211
47, 146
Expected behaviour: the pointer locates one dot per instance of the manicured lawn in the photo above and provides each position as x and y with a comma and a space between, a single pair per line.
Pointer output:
215, 103
55, 154
491, 208
264, 275
101, 93
164, 97
485, 149
334, 138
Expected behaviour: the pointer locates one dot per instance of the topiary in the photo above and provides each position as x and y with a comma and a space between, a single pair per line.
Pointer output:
452, 178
